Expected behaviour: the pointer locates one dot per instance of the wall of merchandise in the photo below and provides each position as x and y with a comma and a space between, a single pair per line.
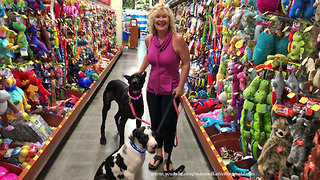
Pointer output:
53, 54
253, 92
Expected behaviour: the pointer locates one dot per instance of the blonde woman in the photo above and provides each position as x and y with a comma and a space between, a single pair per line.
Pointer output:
166, 50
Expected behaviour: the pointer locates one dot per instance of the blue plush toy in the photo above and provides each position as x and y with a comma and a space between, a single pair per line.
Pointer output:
264, 47
36, 45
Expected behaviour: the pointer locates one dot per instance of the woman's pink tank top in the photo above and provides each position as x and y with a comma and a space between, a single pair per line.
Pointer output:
164, 75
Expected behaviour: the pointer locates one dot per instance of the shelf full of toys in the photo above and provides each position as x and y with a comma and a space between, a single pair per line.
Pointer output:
54, 55
253, 89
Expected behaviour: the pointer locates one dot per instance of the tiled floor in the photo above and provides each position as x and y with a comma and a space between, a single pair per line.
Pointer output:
79, 154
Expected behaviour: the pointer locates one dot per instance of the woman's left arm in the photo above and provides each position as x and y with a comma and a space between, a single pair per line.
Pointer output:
183, 52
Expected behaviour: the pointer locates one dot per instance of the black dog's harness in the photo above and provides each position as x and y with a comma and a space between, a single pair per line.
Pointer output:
132, 109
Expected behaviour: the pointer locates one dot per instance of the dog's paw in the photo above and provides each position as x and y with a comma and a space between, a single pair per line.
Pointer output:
103, 141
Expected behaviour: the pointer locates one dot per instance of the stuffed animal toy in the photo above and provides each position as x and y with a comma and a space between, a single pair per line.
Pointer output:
316, 5
21, 40
278, 60
37, 46
296, 9
296, 47
17, 96
225, 41
246, 117
236, 69
308, 66
247, 22
6, 48
236, 18
45, 37
278, 85
4, 103
275, 151
293, 84
307, 44
316, 78
232, 49
264, 47
261, 94
268, 5
242, 80
282, 46
302, 131
252, 88
312, 167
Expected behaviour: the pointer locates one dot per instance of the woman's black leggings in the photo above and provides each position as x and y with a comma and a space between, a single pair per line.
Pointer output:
157, 106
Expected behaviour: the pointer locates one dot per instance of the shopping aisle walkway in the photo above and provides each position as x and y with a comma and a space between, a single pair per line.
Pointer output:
79, 155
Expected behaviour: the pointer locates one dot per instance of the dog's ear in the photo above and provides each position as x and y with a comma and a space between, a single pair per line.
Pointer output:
127, 77
133, 134
144, 74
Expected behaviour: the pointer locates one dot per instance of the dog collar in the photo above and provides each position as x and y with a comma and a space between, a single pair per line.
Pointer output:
137, 149
134, 98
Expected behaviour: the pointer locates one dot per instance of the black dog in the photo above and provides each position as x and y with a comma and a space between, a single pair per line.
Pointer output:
127, 161
119, 91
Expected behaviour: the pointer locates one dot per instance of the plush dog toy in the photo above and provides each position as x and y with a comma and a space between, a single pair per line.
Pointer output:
275, 151
302, 131
312, 167
37, 46
4, 103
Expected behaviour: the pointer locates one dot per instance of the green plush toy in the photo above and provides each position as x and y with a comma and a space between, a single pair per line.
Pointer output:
277, 60
21, 40
308, 44
261, 95
246, 115
296, 47
252, 88
269, 96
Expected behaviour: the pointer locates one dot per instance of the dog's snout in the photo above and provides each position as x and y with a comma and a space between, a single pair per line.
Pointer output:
154, 146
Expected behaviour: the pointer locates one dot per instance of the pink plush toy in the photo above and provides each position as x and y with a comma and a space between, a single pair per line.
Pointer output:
268, 5
242, 79
236, 69
212, 114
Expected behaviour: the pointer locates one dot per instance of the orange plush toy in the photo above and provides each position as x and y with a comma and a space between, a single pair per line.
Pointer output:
312, 167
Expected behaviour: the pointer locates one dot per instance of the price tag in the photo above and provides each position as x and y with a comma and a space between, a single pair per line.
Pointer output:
250, 70
303, 100
23, 52
291, 95
285, 29
274, 107
315, 107
308, 29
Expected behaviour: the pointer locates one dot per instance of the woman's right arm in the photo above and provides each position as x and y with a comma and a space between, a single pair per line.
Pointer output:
145, 62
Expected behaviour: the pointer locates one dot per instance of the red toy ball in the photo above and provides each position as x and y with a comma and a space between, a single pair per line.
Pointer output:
81, 75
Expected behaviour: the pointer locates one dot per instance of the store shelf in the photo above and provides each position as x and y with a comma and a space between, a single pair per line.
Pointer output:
220, 169
38, 162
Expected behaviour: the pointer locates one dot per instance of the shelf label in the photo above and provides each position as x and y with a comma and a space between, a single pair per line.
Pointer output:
208, 139
28, 167
219, 159
224, 168
212, 147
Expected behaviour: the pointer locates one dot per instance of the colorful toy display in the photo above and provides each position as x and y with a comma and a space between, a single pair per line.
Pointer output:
267, 56
44, 47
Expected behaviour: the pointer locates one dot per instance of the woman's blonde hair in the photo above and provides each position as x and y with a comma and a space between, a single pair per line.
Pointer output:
154, 11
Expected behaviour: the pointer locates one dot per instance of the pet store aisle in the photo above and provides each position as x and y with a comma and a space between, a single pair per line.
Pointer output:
80, 154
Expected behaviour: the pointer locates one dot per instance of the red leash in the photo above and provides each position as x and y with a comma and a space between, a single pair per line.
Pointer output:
149, 123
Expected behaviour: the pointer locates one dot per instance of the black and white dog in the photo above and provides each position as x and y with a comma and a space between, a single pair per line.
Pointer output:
123, 94
127, 161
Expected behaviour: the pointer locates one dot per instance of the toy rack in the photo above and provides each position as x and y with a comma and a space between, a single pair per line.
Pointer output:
213, 156
38, 162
